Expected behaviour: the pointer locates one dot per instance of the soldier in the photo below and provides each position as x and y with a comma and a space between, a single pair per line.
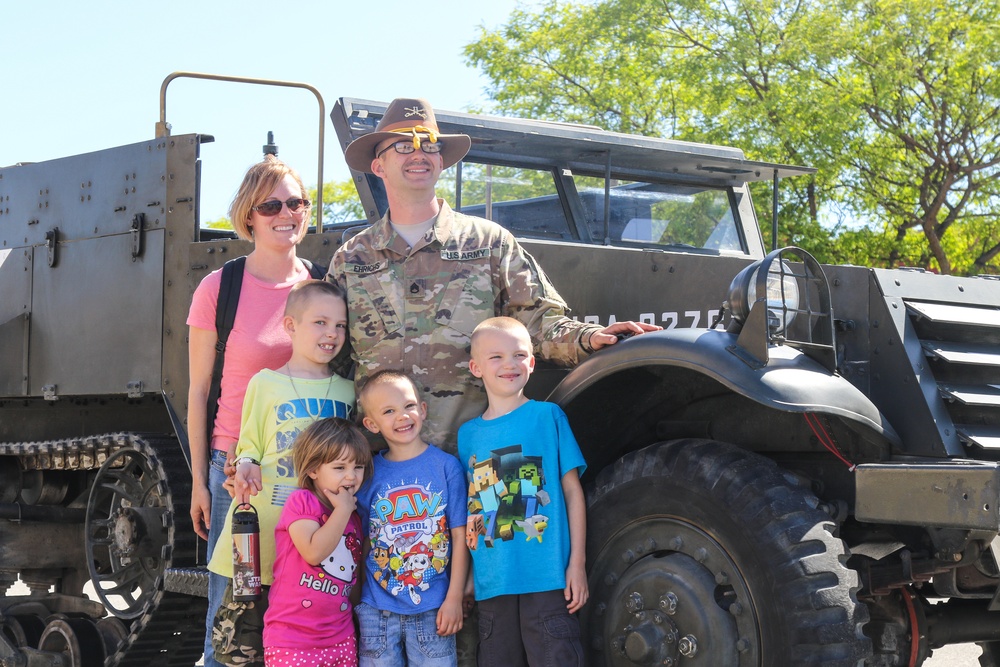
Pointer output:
420, 279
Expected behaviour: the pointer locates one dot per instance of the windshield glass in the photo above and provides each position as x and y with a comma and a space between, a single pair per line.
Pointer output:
660, 214
527, 202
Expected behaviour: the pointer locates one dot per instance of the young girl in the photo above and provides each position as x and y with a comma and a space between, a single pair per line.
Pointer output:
318, 538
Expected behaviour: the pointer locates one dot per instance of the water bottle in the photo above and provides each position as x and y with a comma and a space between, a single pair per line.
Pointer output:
246, 554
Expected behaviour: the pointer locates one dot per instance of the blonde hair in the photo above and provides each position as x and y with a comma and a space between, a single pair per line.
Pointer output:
382, 377
328, 440
302, 292
504, 324
259, 182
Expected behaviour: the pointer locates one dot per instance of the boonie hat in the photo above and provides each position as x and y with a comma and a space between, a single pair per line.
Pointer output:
406, 117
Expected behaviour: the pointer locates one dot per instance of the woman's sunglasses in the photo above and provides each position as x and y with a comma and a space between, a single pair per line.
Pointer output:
269, 209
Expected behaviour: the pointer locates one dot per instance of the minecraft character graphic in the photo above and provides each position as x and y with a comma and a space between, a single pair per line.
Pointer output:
533, 527
489, 490
474, 527
524, 479
529, 486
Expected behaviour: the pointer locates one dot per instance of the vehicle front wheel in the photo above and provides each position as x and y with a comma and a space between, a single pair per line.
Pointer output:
702, 553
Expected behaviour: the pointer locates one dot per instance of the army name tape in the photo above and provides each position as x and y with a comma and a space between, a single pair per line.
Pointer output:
458, 255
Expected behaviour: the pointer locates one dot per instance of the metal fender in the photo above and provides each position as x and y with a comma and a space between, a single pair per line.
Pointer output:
790, 382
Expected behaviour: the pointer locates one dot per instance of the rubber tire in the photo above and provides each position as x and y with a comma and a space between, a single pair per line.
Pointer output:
750, 526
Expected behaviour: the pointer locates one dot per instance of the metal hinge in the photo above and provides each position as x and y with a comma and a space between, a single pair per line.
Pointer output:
49, 392
134, 389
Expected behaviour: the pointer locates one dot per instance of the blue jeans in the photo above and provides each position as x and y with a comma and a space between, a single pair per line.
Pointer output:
220, 508
389, 639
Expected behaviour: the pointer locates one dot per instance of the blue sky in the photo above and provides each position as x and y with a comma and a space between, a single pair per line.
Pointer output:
82, 76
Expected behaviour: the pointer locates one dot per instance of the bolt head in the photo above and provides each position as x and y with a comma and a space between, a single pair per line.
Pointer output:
688, 646
668, 603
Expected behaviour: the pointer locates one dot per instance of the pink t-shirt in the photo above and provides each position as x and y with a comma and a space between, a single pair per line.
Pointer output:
257, 341
309, 606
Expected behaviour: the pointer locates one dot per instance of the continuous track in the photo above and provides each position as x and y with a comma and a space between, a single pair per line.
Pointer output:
170, 628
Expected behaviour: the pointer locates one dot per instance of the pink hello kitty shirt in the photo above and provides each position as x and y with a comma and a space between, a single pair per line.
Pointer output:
309, 605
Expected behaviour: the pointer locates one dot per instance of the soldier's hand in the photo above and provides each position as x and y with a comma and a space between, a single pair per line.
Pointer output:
610, 335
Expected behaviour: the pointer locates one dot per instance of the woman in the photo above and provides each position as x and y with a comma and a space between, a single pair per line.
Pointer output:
271, 211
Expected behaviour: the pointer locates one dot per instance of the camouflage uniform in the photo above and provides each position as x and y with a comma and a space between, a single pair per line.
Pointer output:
238, 630
415, 309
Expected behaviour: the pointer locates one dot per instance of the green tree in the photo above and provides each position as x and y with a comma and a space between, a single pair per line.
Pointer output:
894, 101
219, 223
340, 202
925, 76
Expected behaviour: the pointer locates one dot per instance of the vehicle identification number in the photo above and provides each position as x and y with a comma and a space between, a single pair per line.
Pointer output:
671, 319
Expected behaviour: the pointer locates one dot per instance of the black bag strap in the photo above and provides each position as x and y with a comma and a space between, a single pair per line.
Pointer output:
316, 271
225, 316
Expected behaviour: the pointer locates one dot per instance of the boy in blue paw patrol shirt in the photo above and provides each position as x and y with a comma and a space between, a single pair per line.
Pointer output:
414, 509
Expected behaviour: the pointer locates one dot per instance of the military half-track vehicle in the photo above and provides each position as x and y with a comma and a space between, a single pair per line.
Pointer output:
803, 467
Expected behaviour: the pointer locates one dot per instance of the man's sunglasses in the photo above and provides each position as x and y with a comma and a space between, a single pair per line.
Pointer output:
406, 147
269, 209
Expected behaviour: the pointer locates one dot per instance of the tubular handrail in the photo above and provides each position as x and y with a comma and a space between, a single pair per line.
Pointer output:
163, 127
